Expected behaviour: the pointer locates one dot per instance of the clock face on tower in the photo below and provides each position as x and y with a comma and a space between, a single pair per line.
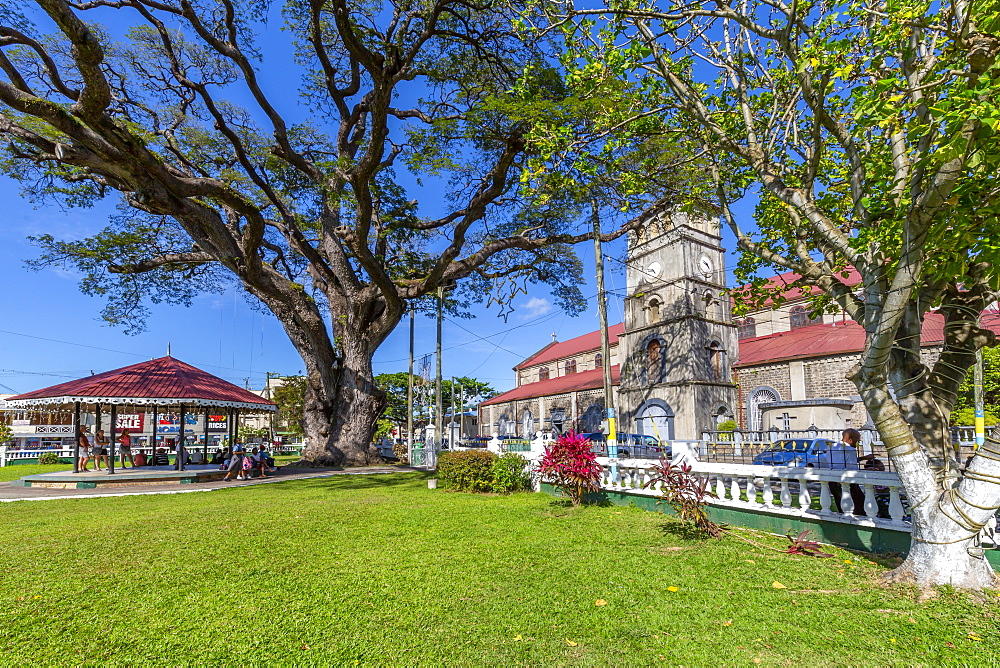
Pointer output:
653, 270
705, 266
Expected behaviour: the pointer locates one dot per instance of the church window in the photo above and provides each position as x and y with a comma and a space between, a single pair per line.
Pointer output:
799, 317
570, 366
653, 230
543, 373
747, 328
598, 361
640, 235
654, 362
716, 361
653, 312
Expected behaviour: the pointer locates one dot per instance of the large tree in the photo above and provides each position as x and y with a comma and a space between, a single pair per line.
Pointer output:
867, 134
302, 205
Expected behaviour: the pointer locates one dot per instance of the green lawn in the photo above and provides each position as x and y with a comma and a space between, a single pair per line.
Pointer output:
377, 569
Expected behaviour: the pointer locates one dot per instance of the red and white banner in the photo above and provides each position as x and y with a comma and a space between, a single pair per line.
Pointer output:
130, 421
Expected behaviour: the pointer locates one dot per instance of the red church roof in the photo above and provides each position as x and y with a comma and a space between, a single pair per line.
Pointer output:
163, 381
558, 350
584, 380
839, 338
848, 276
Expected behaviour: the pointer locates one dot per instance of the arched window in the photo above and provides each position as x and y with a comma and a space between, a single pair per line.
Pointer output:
708, 303
716, 361
799, 317
527, 425
598, 361
653, 312
592, 419
503, 424
640, 235
543, 373
570, 366
747, 328
654, 362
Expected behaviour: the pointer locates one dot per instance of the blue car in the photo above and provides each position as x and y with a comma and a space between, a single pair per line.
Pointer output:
810, 452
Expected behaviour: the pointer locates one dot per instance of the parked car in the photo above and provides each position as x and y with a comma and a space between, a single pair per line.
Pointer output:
808, 452
637, 446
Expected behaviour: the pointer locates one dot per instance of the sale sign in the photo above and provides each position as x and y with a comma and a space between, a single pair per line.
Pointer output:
130, 421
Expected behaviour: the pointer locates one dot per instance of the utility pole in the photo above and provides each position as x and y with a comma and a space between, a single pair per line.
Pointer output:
602, 312
451, 424
461, 419
438, 400
980, 413
409, 388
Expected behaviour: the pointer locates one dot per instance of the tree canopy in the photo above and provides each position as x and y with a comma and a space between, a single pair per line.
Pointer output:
312, 212
866, 133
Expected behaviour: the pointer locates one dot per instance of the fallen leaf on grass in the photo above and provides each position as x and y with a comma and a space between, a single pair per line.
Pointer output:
599, 602
756, 660
673, 588
38, 598
912, 620
518, 637
571, 643
973, 636
728, 622
304, 647
950, 645
848, 561
778, 585
750, 561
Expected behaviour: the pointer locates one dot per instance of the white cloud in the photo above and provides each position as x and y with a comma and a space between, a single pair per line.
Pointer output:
535, 307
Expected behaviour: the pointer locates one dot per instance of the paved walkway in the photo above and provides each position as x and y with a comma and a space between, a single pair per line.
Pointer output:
10, 493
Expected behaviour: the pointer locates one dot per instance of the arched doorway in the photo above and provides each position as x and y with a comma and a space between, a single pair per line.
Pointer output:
591, 420
655, 418
758, 396
527, 425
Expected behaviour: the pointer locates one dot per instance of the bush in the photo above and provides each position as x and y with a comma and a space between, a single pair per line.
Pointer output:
511, 474
467, 471
49, 458
571, 466
686, 493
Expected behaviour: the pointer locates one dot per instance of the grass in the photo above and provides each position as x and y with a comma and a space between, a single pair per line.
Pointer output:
377, 569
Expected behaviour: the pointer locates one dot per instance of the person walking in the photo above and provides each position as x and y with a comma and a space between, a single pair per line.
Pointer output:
101, 450
84, 443
125, 444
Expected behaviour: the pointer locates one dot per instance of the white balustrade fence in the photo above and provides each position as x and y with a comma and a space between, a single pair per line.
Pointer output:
792, 491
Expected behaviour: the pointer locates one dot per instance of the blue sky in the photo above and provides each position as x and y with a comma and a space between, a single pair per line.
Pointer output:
52, 332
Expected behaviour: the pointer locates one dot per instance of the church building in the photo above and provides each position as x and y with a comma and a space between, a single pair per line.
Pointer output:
670, 358
681, 364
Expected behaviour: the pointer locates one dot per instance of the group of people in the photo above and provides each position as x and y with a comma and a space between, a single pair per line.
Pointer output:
100, 450
241, 463
233, 460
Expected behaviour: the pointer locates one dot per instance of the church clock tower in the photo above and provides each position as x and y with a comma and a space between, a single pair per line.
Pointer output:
679, 336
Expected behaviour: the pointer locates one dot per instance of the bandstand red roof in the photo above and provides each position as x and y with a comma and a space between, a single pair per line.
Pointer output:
163, 381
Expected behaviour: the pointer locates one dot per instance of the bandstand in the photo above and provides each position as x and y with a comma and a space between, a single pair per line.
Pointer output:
160, 385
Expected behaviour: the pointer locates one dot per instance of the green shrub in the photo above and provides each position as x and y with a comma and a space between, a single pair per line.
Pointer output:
49, 458
511, 474
467, 471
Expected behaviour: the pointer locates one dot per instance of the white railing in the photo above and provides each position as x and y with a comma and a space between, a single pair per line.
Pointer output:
9, 455
778, 490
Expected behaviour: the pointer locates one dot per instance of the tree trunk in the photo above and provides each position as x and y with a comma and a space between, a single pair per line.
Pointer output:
340, 422
936, 560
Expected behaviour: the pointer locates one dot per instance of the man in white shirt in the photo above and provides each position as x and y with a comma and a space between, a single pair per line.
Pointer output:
844, 456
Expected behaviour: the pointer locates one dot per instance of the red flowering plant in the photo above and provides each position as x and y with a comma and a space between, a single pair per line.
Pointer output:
570, 465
